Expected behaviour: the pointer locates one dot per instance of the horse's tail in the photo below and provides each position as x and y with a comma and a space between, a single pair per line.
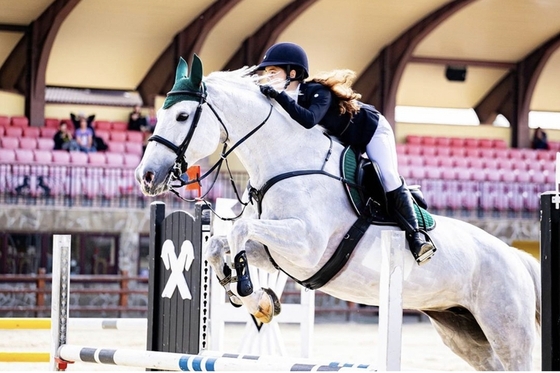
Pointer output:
534, 269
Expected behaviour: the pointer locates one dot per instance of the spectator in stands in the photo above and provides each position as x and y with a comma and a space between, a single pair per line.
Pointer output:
63, 139
540, 140
76, 120
84, 137
136, 121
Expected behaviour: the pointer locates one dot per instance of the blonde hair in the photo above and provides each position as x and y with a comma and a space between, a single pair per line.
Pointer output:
340, 83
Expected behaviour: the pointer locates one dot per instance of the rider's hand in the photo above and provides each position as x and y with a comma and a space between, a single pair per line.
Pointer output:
268, 91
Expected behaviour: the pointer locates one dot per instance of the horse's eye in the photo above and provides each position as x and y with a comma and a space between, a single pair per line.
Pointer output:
182, 117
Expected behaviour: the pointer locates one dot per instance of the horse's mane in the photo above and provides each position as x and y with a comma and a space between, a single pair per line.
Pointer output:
243, 78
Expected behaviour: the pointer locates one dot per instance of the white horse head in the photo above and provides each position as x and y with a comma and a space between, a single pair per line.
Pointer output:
482, 295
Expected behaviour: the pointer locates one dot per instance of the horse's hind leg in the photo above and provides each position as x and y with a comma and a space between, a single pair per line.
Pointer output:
461, 333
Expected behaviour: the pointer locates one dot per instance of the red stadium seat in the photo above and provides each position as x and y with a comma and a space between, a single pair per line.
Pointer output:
104, 134
116, 147
413, 139
13, 131
472, 152
499, 144
104, 125
42, 156
24, 156
119, 126
135, 136
28, 143
19, 121
443, 141
78, 158
457, 142
8, 142
31, 132
485, 143
134, 148
114, 159
429, 151
4, 121
471, 142
52, 122
61, 157
428, 140
97, 159
7, 155
487, 153
48, 132
45, 143
118, 136
444, 151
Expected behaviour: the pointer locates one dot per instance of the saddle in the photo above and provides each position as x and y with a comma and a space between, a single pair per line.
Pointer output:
367, 194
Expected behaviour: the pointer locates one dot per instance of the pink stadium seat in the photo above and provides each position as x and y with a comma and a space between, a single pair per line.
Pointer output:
487, 153
537, 177
418, 173
61, 157
133, 160
116, 147
529, 154
405, 170
475, 163
114, 159
28, 143
4, 121
491, 163
104, 134
471, 142
432, 161
24, 156
457, 142
548, 155
550, 178
499, 144
97, 159
78, 158
492, 175
45, 143
19, 121
443, 141
31, 132
444, 151
135, 136
52, 122
134, 148
13, 131
429, 151
428, 140
522, 177
413, 139
464, 173
461, 162
118, 136
445, 161
472, 152
448, 173
485, 143
42, 156
119, 126
478, 174
433, 172
104, 125
515, 154
48, 132
2, 129
7, 155
458, 151
508, 176
416, 162
401, 149
8, 142
413, 149
506, 164
501, 153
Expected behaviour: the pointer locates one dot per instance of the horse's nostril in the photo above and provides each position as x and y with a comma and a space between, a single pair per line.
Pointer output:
148, 178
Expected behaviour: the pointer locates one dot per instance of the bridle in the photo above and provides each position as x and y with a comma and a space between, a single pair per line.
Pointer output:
177, 171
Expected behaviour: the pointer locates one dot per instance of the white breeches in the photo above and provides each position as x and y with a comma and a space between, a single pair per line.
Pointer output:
382, 149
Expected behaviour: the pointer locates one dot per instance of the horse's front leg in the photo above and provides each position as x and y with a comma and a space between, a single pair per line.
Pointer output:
216, 249
277, 234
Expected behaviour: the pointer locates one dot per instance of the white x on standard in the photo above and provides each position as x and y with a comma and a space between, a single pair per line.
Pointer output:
177, 265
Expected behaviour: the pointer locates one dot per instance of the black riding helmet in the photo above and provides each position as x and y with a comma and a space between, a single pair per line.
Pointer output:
289, 56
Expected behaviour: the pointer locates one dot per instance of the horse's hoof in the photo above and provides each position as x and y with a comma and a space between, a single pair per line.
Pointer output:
275, 301
233, 300
269, 306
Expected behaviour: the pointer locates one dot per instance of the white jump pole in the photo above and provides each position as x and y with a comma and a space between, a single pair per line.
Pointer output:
186, 362
390, 300
60, 299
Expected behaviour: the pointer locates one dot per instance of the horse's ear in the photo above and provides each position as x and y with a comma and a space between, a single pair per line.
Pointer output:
196, 73
182, 69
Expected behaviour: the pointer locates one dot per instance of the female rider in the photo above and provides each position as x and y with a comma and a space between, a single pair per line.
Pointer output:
329, 100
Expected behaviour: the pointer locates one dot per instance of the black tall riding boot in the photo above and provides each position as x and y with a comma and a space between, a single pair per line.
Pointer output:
400, 205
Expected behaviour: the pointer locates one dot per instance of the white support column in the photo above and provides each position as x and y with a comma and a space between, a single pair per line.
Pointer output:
390, 300
60, 299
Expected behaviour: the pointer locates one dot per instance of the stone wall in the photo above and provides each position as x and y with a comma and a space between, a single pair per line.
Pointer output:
130, 223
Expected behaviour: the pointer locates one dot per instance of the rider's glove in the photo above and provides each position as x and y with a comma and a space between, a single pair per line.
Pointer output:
268, 91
